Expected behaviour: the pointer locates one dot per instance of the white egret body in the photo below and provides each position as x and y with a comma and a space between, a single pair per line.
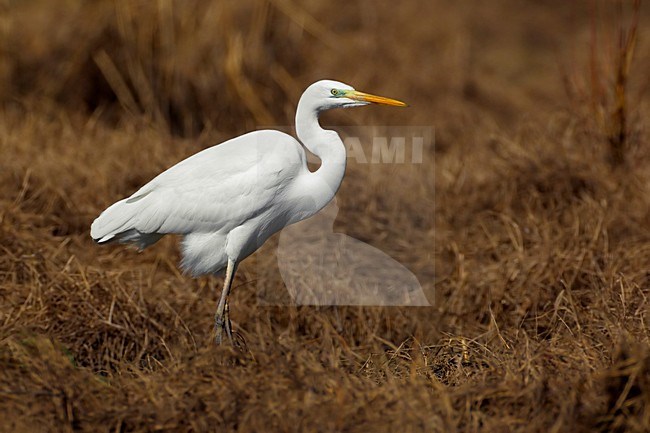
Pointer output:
227, 200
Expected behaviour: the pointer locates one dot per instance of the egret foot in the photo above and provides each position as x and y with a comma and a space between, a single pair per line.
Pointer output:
222, 317
222, 323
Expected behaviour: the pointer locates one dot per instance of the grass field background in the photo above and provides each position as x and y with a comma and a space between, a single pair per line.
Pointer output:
529, 237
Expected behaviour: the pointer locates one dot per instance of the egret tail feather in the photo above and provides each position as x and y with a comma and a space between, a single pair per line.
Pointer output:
118, 223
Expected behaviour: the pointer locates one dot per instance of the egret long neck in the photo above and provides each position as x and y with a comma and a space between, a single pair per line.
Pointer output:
327, 146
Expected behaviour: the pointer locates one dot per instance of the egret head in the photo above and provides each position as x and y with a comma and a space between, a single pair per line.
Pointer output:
327, 94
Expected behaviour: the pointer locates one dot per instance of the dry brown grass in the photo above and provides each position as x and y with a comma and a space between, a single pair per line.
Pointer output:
602, 94
536, 257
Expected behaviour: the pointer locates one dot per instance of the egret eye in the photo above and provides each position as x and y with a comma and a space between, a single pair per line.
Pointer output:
335, 92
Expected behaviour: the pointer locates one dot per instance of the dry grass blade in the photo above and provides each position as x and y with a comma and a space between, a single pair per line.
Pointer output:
309, 23
618, 135
117, 82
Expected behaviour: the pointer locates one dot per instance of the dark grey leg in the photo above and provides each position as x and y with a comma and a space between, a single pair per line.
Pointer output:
227, 322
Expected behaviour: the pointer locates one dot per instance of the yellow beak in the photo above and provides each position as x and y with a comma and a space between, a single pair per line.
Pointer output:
366, 97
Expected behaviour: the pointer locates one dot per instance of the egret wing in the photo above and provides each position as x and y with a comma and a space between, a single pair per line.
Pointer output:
213, 190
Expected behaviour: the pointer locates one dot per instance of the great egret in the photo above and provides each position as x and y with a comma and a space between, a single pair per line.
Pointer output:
227, 200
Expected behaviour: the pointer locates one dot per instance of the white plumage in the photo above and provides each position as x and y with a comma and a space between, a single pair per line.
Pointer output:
207, 196
228, 199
